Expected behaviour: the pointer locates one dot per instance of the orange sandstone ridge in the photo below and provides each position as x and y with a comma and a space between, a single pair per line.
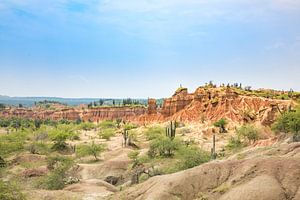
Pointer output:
204, 104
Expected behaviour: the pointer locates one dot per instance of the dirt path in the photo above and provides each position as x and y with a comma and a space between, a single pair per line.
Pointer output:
114, 162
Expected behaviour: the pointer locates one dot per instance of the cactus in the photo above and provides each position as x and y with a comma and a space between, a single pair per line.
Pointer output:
171, 130
213, 149
125, 136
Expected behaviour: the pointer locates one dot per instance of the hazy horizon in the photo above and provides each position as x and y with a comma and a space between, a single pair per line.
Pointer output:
171, 92
146, 48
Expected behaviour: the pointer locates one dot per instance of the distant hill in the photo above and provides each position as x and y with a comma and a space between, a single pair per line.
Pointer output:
30, 101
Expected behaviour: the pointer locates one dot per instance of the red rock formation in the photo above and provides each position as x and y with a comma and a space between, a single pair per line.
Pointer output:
110, 113
216, 103
176, 103
152, 107
204, 104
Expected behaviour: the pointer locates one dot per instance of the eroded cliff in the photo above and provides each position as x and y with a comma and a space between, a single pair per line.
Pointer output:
204, 104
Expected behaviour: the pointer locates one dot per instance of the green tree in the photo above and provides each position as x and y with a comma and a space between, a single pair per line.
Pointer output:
60, 134
221, 125
90, 150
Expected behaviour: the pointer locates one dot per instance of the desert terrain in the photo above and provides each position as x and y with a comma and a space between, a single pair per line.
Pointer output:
224, 143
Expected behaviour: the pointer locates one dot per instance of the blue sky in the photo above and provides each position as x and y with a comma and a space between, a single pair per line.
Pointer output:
146, 48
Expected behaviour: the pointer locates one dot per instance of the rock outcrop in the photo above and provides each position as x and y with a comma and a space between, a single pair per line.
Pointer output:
216, 103
204, 104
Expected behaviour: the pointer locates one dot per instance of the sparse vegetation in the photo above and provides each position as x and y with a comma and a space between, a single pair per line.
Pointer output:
58, 166
234, 144
107, 124
133, 155
86, 126
154, 132
26, 144
289, 122
10, 191
12, 143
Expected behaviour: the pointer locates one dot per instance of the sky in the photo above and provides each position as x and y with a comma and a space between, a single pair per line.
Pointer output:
146, 48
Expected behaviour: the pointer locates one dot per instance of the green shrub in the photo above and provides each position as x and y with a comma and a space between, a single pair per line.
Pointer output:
13, 142
38, 148
54, 180
86, 126
57, 161
221, 125
133, 138
193, 156
234, 144
58, 166
41, 134
60, 134
107, 124
288, 122
154, 132
4, 123
64, 121
163, 146
9, 191
89, 150
129, 126
133, 155
107, 133
248, 132
7, 148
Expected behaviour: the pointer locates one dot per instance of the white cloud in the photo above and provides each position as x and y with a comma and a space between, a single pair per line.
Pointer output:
159, 19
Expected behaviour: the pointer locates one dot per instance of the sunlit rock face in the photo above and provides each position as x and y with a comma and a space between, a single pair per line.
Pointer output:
110, 113
204, 104
152, 107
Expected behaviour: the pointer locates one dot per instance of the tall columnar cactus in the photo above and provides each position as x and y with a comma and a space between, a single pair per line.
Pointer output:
213, 149
125, 136
171, 130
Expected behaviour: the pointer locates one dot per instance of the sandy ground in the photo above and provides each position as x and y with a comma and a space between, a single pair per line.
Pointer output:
114, 162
